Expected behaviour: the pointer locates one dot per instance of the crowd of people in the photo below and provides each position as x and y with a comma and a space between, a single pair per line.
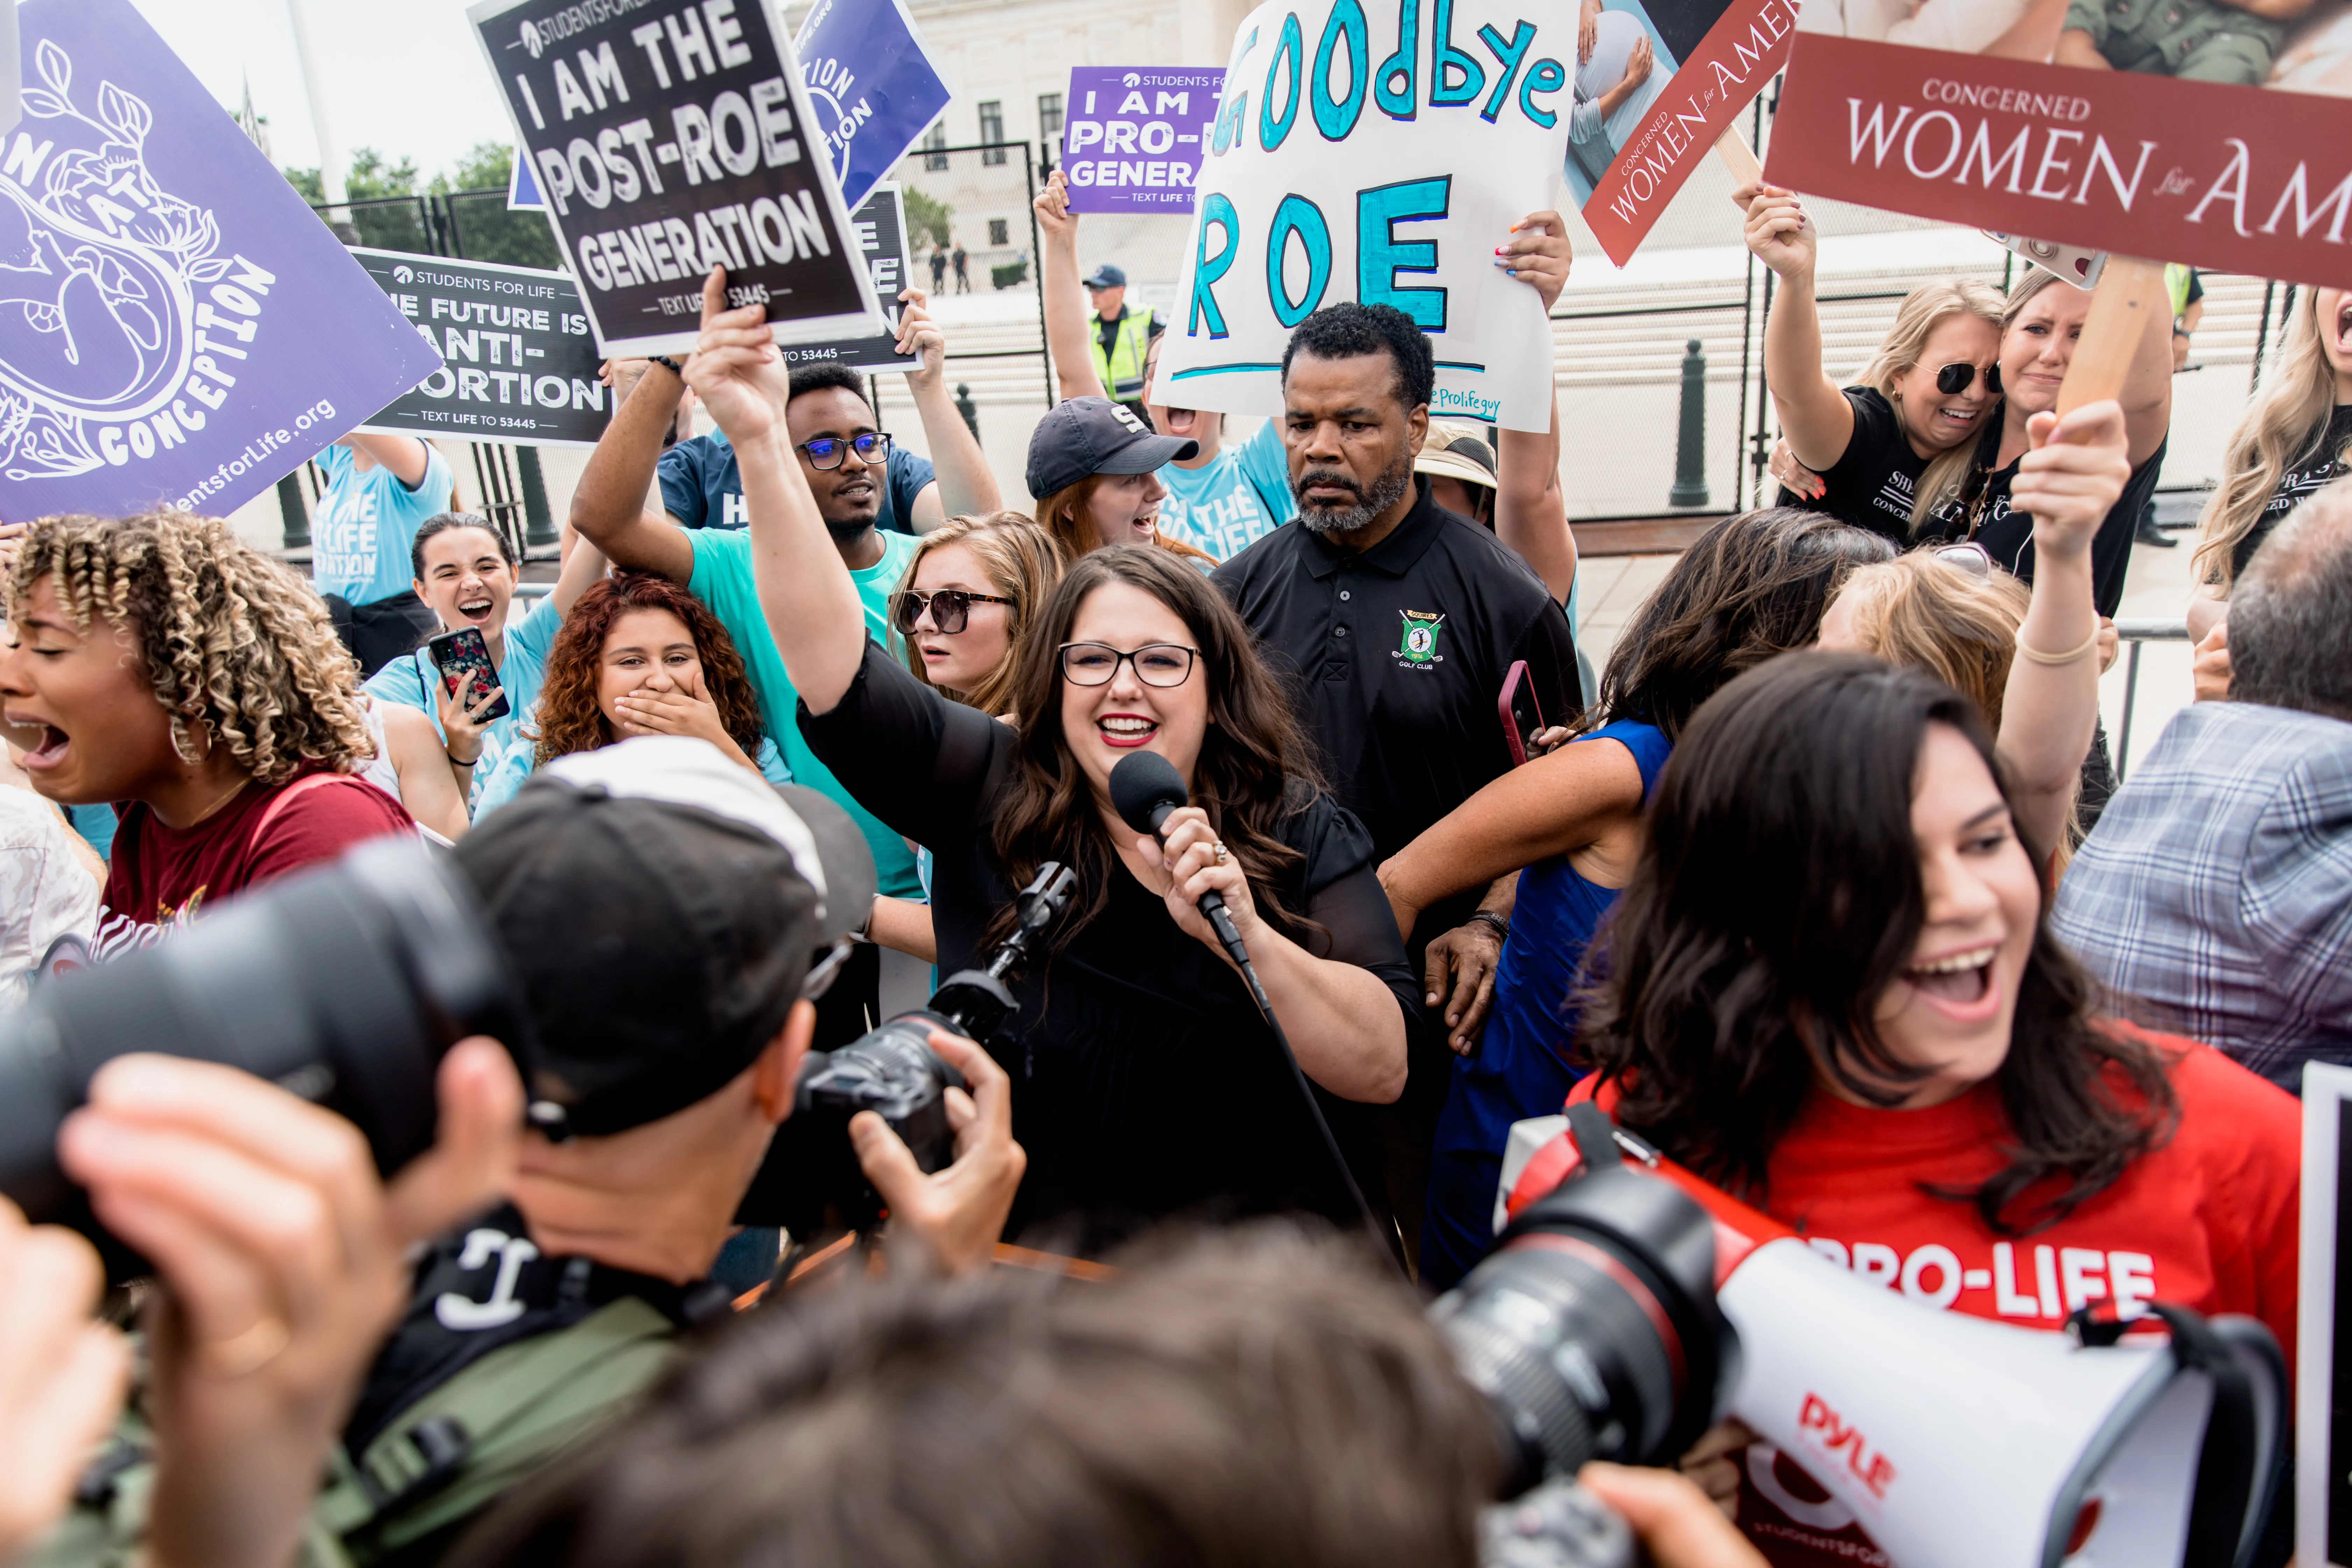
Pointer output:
1822, 884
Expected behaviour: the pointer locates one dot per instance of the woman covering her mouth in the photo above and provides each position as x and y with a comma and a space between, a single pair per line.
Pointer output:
1830, 987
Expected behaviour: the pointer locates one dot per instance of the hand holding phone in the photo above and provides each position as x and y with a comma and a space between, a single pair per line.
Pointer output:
463, 656
1522, 718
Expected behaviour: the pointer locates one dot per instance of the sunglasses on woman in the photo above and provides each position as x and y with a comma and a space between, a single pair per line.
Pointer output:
951, 608
826, 452
1954, 379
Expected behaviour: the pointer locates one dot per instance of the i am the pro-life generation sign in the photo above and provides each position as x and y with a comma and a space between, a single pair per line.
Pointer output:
1132, 140
668, 139
518, 361
1377, 151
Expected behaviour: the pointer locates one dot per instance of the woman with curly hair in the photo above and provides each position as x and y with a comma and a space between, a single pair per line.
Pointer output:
639, 656
159, 664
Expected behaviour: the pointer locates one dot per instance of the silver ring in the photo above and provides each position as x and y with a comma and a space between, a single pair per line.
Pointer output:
1221, 855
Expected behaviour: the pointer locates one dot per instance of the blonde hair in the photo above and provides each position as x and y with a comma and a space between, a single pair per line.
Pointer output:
1924, 310
2288, 418
1022, 562
1919, 613
1941, 481
239, 650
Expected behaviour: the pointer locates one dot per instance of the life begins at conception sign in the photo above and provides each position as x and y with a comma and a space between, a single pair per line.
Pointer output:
669, 139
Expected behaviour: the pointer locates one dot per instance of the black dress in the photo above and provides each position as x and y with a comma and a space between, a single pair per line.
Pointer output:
1145, 1082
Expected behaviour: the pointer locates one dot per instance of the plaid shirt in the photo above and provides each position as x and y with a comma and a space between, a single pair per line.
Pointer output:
2217, 888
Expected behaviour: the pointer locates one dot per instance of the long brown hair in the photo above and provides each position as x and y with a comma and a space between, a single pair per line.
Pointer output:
2285, 425
1064, 515
570, 719
1778, 896
1253, 773
1022, 562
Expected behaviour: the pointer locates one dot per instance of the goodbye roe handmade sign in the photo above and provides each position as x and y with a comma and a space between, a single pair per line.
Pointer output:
177, 328
670, 137
1378, 151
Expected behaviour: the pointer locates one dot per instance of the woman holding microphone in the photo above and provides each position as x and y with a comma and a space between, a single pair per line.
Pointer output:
1146, 1082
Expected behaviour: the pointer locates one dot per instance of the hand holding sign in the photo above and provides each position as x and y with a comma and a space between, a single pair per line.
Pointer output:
1775, 230
2072, 477
919, 336
736, 369
1539, 253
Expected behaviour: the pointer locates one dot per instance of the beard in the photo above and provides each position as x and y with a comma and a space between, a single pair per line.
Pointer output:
1384, 493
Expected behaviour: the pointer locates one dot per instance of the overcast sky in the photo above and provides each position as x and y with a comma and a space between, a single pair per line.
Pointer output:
404, 76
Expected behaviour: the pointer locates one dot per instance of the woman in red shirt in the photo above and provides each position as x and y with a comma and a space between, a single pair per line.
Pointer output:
157, 663
1831, 989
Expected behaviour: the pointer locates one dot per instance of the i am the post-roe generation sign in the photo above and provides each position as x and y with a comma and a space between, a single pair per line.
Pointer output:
1132, 138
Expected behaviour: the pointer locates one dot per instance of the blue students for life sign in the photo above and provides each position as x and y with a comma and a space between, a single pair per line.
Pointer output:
177, 328
873, 90
1132, 140
1377, 151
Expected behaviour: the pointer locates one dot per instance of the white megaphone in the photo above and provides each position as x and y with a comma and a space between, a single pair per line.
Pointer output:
1630, 1305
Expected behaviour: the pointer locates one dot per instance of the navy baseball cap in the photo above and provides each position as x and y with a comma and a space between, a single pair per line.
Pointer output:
1106, 277
1095, 436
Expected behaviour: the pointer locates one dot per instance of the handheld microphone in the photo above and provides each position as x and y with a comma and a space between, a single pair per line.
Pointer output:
1146, 790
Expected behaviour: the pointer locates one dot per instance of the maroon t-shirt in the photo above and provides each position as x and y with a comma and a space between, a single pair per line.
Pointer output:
164, 877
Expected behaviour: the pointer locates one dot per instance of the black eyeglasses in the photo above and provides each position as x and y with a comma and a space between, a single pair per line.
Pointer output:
951, 608
826, 451
1954, 379
1156, 664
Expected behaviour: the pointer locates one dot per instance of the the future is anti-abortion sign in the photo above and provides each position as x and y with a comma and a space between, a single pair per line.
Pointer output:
519, 361
177, 328
670, 138
2198, 132
1132, 140
1378, 151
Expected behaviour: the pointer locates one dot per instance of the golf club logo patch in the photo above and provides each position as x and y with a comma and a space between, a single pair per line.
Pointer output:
1418, 642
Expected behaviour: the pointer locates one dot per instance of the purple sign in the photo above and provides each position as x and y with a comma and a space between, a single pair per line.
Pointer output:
177, 328
1132, 140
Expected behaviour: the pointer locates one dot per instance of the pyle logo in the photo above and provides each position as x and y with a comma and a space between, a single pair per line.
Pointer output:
1835, 1438
403, 275
531, 40
463, 1312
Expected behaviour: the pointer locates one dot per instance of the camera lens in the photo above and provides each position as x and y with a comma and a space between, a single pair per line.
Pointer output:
344, 985
1593, 1328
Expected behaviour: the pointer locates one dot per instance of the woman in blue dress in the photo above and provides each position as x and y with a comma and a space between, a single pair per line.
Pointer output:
1752, 586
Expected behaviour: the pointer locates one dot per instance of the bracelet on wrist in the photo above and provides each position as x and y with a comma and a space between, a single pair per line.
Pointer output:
668, 363
1500, 924
2036, 655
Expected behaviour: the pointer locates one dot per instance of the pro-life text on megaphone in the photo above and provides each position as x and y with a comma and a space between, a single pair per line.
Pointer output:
1949, 1440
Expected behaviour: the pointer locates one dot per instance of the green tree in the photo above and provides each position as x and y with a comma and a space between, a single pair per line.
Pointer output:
306, 181
384, 205
927, 216
474, 195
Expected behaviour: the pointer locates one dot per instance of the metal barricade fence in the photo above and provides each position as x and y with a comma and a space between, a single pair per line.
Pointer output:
2137, 633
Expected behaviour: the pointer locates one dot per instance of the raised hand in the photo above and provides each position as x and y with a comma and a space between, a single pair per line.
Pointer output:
1776, 229
2073, 474
1539, 253
1056, 221
920, 335
736, 369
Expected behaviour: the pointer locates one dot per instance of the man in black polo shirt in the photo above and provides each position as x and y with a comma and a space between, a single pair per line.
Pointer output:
1398, 621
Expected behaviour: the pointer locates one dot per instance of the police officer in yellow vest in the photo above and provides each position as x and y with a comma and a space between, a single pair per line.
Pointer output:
1121, 337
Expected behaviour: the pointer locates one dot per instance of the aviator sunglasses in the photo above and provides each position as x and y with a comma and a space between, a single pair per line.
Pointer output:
951, 608
1954, 379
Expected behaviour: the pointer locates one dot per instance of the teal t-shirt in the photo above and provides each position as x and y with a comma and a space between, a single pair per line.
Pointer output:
367, 522
722, 580
494, 787
1233, 499
411, 680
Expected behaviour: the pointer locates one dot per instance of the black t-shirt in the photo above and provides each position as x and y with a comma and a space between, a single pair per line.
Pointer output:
1872, 484
2321, 464
1145, 1081
1398, 656
2008, 535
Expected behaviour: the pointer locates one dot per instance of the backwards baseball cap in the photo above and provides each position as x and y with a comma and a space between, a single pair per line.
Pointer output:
1457, 452
1106, 277
663, 908
1095, 436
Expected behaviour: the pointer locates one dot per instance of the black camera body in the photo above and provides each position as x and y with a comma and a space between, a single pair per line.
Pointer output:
811, 1180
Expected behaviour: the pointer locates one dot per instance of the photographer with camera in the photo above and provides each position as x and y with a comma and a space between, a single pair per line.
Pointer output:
1254, 1399
159, 664
662, 913
1153, 1083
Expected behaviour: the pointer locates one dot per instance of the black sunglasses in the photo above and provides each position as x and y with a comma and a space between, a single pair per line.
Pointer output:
1954, 379
826, 451
951, 608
